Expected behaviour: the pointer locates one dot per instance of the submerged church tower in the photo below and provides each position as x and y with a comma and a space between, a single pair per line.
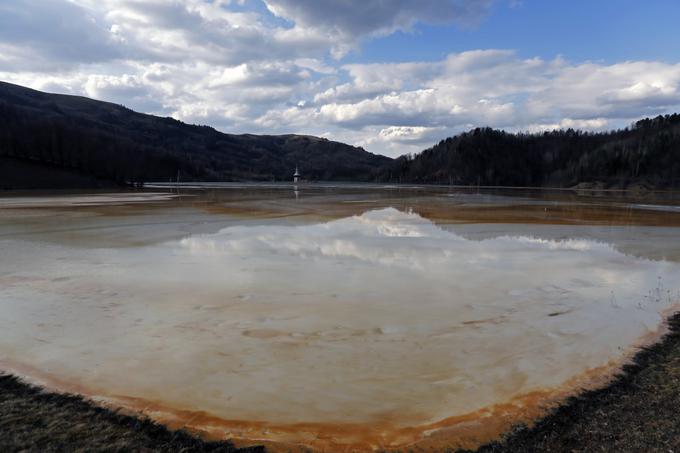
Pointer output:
296, 176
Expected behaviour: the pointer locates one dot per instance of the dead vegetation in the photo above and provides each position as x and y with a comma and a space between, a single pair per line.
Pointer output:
33, 420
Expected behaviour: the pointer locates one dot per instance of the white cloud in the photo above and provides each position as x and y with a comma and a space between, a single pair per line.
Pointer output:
494, 88
47, 35
241, 69
594, 124
347, 22
407, 133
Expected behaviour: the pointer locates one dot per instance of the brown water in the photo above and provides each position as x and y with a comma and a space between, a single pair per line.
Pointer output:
341, 318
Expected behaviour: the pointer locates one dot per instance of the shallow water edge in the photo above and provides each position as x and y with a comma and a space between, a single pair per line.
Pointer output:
467, 431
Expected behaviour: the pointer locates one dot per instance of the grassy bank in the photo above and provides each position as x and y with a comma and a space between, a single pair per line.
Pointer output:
38, 421
639, 411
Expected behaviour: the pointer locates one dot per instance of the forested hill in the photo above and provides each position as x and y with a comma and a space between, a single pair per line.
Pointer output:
647, 154
50, 140
79, 141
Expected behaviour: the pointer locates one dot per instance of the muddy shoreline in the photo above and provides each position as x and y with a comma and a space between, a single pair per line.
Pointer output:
637, 411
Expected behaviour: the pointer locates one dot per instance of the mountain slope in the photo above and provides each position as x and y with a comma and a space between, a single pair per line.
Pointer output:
113, 143
648, 153
59, 141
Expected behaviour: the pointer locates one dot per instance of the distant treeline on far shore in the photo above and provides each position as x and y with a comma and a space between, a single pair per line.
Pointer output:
49, 140
646, 154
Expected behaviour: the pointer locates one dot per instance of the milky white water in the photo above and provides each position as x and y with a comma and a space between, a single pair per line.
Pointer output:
375, 318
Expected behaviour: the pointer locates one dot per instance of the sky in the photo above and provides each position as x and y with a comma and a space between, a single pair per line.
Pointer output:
392, 76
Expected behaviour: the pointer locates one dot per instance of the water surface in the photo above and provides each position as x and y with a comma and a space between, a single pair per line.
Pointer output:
333, 317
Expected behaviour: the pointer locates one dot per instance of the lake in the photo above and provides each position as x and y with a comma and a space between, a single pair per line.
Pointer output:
338, 317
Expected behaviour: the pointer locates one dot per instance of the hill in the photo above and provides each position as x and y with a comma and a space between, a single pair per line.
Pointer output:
647, 154
53, 140
60, 141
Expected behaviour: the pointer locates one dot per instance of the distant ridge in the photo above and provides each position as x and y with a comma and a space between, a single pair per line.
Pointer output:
646, 155
61, 141
84, 142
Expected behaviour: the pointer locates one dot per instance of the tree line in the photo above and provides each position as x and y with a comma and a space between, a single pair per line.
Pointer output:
647, 152
114, 143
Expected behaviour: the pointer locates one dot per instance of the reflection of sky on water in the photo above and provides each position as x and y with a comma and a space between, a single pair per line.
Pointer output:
382, 315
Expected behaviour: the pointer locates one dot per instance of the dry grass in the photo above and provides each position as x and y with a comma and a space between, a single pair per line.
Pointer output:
33, 420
